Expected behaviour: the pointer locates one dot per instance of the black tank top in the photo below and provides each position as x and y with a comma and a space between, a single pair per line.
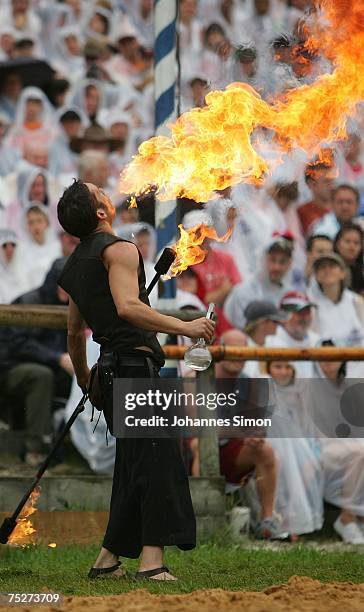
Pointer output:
85, 279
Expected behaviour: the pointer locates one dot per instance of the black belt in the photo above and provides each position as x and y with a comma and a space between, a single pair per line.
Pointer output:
137, 361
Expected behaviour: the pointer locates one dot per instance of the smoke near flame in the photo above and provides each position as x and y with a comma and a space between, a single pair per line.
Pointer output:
189, 249
213, 148
24, 532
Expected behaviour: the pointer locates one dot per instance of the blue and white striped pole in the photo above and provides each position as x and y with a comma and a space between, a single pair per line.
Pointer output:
165, 83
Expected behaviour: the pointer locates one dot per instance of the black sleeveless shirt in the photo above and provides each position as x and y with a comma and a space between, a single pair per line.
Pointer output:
85, 279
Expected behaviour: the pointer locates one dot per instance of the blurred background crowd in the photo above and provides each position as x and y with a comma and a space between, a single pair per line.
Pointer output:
76, 100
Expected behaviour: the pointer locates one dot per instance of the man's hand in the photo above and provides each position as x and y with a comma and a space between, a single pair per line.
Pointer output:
66, 363
83, 380
200, 328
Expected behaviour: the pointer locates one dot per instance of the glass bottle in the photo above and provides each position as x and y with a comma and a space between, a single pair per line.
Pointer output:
198, 356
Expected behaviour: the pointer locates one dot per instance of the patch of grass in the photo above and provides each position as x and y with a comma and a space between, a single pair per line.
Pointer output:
209, 566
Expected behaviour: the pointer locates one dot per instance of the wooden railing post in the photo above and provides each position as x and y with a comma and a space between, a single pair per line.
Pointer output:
208, 443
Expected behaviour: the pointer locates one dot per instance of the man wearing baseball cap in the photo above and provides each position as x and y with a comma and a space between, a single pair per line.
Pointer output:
262, 318
295, 331
270, 284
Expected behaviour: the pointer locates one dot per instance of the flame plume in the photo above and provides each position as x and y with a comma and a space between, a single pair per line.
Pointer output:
189, 249
24, 532
211, 148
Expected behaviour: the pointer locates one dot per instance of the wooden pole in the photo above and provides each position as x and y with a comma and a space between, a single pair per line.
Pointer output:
55, 317
208, 442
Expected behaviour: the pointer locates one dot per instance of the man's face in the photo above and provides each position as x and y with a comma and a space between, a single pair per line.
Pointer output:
278, 265
281, 372
37, 225
107, 209
8, 249
329, 274
299, 323
321, 183
72, 127
345, 205
320, 247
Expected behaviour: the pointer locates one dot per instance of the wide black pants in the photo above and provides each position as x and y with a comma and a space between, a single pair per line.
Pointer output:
151, 502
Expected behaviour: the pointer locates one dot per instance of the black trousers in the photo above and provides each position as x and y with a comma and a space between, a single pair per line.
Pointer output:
151, 502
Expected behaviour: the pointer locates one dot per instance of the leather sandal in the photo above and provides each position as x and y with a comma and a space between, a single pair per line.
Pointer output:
149, 574
114, 571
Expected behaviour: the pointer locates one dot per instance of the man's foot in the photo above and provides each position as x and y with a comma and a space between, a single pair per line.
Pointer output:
350, 533
270, 528
159, 573
114, 571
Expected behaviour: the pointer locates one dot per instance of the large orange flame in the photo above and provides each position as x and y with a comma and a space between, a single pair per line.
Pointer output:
24, 532
189, 249
211, 148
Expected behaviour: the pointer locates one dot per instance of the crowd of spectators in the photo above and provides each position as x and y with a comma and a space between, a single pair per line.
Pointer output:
291, 275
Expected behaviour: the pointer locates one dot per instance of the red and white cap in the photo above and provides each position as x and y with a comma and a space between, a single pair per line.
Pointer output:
295, 301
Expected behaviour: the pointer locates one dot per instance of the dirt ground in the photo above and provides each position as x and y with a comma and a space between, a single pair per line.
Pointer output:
299, 594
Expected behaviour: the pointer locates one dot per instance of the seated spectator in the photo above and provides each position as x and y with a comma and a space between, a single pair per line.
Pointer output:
62, 160
8, 157
195, 97
242, 458
32, 185
130, 64
345, 207
37, 367
299, 497
349, 245
68, 60
125, 215
93, 168
261, 321
90, 96
118, 125
320, 179
316, 246
217, 274
39, 248
34, 120
340, 312
245, 65
296, 331
142, 18
270, 284
7, 42
351, 166
13, 278
21, 16
342, 459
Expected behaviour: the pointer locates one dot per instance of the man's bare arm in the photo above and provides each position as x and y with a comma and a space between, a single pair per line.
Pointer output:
122, 260
76, 341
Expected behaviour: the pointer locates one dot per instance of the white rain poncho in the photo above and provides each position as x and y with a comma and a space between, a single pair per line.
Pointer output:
26, 175
13, 277
92, 446
61, 159
38, 258
20, 134
69, 65
342, 458
299, 496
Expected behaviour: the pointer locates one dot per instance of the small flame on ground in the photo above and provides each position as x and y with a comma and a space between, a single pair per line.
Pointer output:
24, 532
189, 249
52, 545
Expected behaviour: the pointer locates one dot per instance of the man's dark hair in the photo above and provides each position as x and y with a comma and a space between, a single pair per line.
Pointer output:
76, 210
311, 241
347, 186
